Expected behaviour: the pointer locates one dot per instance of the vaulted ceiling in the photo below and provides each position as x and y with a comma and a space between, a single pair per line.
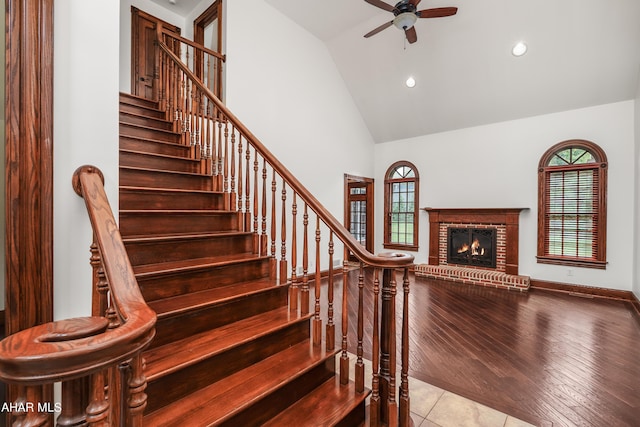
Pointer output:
581, 53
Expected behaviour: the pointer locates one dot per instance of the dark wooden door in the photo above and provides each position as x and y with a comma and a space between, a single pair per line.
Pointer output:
144, 53
359, 209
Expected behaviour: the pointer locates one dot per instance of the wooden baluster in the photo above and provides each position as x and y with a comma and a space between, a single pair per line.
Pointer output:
331, 327
405, 413
222, 142
100, 285
256, 212
232, 197
98, 409
240, 183
304, 295
197, 114
359, 368
374, 402
220, 151
74, 403
273, 269
389, 412
283, 236
247, 189
263, 238
317, 321
188, 111
225, 161
344, 358
26, 411
137, 384
293, 289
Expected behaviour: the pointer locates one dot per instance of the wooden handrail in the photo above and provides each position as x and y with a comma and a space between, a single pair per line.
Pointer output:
389, 260
72, 348
197, 46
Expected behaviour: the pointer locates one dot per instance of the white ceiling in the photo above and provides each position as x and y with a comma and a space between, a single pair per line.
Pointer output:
581, 53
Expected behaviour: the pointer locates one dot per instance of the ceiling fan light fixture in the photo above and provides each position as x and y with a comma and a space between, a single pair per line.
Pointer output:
519, 49
405, 20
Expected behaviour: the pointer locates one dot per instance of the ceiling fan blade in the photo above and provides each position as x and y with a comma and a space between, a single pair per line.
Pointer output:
381, 5
411, 34
437, 12
377, 30
415, 2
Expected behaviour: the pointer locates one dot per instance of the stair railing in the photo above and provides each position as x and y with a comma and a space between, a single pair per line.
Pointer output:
273, 205
98, 358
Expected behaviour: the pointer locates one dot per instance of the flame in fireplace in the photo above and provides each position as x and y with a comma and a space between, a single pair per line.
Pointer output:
475, 248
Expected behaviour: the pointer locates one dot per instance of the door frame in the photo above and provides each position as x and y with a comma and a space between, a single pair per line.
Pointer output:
369, 184
212, 13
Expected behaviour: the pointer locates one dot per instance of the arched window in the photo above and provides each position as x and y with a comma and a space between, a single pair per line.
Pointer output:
572, 205
401, 206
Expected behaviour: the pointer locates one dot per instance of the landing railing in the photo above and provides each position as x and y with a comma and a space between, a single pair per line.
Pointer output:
97, 359
288, 224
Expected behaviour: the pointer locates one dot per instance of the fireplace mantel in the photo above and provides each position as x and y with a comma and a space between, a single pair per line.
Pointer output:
510, 217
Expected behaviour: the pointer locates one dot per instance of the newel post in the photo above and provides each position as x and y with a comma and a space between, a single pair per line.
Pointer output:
387, 376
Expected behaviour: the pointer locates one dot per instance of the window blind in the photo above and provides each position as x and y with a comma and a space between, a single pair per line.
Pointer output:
571, 213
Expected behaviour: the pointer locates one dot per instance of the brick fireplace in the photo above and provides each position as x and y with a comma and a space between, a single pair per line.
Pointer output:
475, 259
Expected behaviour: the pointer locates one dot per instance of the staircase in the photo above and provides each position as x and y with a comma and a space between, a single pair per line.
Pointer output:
228, 349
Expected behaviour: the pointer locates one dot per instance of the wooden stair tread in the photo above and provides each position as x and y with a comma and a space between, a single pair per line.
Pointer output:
156, 141
192, 264
166, 190
324, 406
229, 396
172, 357
170, 172
198, 300
165, 156
150, 128
188, 236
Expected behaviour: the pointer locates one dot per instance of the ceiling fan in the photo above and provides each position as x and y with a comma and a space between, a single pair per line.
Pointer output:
406, 15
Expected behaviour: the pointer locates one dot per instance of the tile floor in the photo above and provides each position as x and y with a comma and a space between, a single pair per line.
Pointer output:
434, 407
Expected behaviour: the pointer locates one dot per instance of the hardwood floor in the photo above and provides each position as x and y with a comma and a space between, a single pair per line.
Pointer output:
547, 358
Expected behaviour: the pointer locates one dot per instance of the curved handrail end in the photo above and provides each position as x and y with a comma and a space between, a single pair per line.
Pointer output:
75, 180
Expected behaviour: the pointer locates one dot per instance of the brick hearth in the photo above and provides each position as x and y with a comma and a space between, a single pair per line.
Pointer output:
504, 275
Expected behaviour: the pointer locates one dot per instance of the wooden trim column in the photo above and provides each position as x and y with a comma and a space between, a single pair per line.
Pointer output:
29, 166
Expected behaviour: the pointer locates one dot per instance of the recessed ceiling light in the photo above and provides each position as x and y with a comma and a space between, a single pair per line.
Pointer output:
519, 49
411, 82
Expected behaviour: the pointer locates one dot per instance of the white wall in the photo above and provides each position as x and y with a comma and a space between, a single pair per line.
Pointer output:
85, 132
495, 166
283, 84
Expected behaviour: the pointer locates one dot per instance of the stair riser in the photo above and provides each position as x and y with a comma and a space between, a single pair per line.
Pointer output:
147, 146
127, 129
142, 160
280, 399
145, 121
143, 224
159, 179
137, 200
141, 253
141, 110
172, 387
193, 322
168, 285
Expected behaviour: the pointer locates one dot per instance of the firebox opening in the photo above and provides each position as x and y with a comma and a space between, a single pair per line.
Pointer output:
472, 246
